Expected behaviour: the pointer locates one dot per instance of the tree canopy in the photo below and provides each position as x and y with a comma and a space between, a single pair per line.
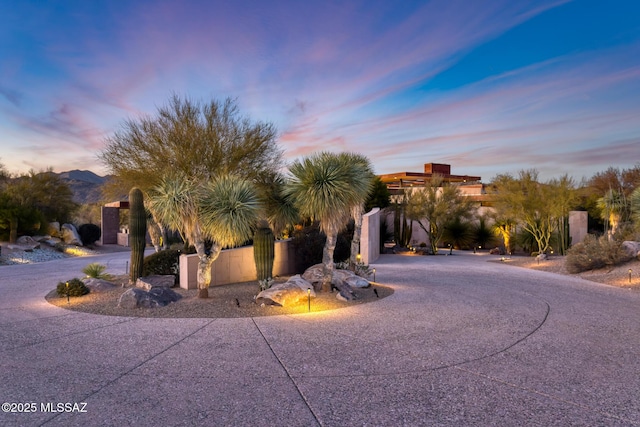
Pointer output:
200, 140
326, 187
537, 207
29, 200
435, 205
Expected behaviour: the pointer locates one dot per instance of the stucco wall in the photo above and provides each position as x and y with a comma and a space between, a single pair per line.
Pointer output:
236, 265
370, 236
578, 226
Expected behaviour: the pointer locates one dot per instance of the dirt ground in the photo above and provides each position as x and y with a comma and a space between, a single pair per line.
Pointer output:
235, 300
614, 276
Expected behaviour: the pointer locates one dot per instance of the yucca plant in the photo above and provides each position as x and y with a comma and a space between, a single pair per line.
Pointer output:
222, 211
325, 187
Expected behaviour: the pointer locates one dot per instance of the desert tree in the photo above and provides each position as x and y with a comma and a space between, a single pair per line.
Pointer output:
222, 211
325, 187
197, 140
537, 207
435, 205
28, 200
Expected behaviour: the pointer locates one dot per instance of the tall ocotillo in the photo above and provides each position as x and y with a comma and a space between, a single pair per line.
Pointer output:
137, 233
264, 252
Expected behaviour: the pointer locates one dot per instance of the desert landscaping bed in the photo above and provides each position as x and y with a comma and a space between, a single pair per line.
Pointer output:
614, 276
227, 301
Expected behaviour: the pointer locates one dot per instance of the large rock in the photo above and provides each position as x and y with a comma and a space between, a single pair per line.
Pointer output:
157, 281
26, 243
70, 235
345, 291
52, 241
98, 285
26, 240
165, 295
138, 298
313, 275
631, 248
292, 292
348, 276
54, 229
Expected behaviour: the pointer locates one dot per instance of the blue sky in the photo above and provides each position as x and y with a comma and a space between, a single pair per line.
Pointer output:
486, 86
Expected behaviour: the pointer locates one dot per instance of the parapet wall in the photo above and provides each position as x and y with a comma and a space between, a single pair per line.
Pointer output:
236, 265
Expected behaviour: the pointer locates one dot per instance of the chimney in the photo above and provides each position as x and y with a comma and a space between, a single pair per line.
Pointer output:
439, 168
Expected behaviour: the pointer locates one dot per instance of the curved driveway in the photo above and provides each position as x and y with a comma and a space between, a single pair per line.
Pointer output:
461, 342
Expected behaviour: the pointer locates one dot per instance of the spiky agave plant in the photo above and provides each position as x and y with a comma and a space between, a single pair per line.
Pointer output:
96, 271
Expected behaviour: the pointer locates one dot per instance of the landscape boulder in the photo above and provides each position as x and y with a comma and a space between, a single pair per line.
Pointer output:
313, 275
52, 241
631, 248
98, 285
26, 243
293, 292
138, 298
54, 229
70, 235
26, 240
157, 281
345, 291
349, 277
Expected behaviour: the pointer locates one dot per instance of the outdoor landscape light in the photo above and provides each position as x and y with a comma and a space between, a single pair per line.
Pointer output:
67, 284
374, 274
630, 275
358, 257
309, 297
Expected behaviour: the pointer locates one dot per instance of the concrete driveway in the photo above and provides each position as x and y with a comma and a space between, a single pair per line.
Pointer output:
461, 342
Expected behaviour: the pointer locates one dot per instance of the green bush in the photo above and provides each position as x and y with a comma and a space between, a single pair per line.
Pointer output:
76, 288
162, 263
594, 253
309, 243
96, 271
89, 233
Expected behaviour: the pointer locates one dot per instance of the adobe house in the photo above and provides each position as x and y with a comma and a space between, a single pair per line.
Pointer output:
470, 186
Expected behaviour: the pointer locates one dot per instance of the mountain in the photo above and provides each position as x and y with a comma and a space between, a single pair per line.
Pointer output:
85, 185
82, 176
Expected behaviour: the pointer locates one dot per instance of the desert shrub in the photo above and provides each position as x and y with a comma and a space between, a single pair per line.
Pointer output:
594, 253
76, 288
96, 271
360, 269
89, 233
162, 263
309, 243
457, 233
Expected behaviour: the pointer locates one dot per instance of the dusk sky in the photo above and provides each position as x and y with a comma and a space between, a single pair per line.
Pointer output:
486, 86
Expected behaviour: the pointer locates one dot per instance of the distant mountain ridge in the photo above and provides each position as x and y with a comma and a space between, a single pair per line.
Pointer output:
82, 176
85, 185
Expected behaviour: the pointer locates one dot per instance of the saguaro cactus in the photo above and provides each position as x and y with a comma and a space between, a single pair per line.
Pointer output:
137, 233
264, 252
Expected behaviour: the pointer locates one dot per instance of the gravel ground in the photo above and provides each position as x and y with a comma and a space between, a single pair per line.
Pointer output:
42, 254
615, 276
228, 301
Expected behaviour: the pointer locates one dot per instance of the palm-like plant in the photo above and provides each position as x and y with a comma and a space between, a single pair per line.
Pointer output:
326, 186
613, 205
223, 211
